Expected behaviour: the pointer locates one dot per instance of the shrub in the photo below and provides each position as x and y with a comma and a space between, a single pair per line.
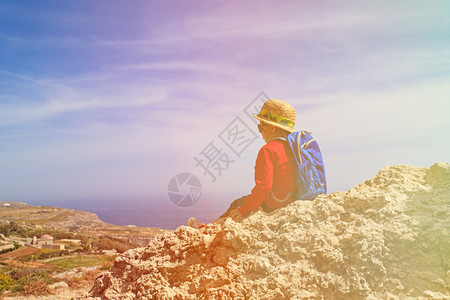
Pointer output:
38, 287
90, 275
30, 281
5, 282
17, 274
110, 243
74, 282
4, 229
13, 226
108, 264
86, 278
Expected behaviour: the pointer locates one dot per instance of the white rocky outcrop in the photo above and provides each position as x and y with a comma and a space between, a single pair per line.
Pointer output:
386, 238
59, 285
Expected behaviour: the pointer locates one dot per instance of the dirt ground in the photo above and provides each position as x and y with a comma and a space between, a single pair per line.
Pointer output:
21, 252
64, 294
11, 259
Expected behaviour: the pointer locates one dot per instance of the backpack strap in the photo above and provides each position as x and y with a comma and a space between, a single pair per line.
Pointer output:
271, 192
279, 200
278, 138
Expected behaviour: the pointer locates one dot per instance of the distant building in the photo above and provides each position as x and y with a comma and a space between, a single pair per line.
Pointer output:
46, 242
6, 204
71, 241
54, 247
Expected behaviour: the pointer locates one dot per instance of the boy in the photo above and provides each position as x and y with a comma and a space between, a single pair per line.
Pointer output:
275, 184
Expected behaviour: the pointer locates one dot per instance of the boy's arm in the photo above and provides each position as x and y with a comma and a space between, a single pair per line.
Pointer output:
263, 182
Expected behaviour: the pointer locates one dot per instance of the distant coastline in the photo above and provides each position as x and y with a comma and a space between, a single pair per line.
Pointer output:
138, 213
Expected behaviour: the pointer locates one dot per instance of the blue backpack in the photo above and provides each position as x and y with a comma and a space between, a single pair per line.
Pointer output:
309, 169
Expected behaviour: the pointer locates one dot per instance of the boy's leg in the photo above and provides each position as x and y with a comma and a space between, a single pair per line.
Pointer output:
193, 222
235, 204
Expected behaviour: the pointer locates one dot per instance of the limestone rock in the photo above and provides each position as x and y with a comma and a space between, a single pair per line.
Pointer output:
59, 285
386, 238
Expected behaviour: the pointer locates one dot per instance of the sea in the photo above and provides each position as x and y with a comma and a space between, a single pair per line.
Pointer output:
158, 213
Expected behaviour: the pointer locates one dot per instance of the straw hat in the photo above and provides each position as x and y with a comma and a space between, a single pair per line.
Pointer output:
278, 113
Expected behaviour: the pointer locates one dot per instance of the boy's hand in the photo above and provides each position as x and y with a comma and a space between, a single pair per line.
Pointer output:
236, 215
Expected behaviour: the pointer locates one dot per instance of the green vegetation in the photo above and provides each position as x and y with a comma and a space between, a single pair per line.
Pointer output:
29, 281
69, 263
110, 243
20, 277
5, 282
26, 281
26, 231
13, 227
5, 229
44, 254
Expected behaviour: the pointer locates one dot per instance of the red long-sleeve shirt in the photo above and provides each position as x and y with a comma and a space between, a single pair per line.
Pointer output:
274, 171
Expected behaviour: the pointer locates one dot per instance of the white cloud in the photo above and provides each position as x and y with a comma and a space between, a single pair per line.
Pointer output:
52, 98
162, 99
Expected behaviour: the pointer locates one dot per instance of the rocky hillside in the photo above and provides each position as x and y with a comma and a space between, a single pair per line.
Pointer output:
72, 220
387, 238
50, 216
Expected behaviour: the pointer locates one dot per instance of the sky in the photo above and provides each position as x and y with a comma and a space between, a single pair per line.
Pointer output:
106, 101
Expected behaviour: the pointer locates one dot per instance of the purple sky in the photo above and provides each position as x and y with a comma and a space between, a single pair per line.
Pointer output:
111, 99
